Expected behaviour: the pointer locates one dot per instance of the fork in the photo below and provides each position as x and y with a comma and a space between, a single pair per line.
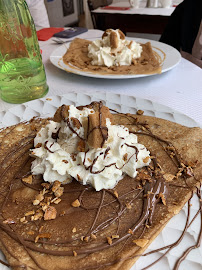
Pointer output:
60, 41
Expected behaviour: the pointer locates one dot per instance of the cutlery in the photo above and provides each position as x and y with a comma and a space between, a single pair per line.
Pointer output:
60, 41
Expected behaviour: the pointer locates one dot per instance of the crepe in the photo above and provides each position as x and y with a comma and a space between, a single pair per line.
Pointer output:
89, 229
77, 58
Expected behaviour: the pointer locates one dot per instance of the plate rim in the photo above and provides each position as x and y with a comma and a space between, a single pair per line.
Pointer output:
50, 98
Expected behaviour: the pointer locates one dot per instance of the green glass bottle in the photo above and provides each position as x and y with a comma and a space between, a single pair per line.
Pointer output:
22, 74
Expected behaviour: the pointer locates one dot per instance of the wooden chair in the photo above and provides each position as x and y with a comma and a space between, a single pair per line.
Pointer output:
93, 4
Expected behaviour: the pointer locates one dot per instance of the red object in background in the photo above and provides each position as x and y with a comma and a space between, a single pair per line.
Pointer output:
46, 33
116, 8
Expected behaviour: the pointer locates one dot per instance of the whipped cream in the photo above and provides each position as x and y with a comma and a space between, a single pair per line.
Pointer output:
57, 158
113, 50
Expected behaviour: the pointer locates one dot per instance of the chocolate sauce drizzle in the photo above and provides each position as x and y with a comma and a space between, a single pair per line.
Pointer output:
149, 193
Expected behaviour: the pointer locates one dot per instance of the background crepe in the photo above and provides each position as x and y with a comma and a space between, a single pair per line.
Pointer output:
77, 56
187, 141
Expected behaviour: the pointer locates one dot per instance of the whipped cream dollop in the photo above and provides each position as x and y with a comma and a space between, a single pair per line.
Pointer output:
113, 50
57, 156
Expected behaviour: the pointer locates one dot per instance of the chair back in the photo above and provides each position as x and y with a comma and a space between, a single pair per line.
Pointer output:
93, 4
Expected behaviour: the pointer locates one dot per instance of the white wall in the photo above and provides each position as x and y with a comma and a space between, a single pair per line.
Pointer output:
55, 14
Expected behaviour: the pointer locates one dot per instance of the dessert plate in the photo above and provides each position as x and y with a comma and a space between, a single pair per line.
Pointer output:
172, 58
46, 107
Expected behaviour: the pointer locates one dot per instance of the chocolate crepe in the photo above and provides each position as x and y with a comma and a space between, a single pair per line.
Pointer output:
75, 227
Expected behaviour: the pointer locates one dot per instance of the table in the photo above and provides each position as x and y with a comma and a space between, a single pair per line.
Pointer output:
139, 20
179, 88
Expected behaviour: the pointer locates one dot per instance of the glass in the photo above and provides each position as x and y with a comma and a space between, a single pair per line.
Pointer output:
22, 74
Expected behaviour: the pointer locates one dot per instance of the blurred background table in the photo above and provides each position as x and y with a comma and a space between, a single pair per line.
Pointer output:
179, 88
139, 20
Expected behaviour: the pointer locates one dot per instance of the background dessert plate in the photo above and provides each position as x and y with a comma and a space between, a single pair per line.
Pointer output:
172, 59
46, 107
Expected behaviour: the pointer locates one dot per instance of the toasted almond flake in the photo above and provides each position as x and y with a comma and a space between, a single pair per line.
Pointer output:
93, 236
116, 194
62, 213
141, 242
139, 112
48, 199
30, 213
76, 203
45, 185
39, 197
9, 221
44, 207
44, 191
38, 215
41, 228
89, 160
189, 171
115, 236
42, 235
145, 160
109, 240
59, 192
50, 213
125, 157
27, 180
56, 185
22, 219
82, 238
38, 145
168, 177
74, 253
30, 233
86, 239
130, 231
56, 200
162, 197
74, 230
128, 205
49, 99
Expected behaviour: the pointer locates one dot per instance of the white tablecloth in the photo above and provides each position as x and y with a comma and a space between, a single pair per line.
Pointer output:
179, 88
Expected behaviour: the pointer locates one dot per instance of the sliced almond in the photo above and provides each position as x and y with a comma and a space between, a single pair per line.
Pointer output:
145, 160
30, 213
28, 179
168, 177
116, 194
59, 192
76, 203
50, 213
56, 185
141, 242
42, 235
109, 240
74, 253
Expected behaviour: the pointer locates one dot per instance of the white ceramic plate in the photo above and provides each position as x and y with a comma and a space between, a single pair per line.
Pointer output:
47, 106
172, 59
